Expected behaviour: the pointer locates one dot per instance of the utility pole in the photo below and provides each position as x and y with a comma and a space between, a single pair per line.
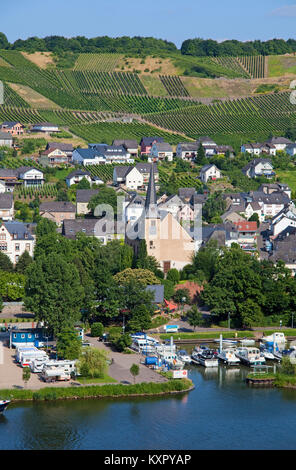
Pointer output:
229, 320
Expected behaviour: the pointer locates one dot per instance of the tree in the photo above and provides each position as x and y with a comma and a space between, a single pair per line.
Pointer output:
135, 370
97, 329
68, 344
205, 260
201, 155
45, 227
122, 342
255, 218
5, 263
26, 375
194, 317
83, 184
142, 276
140, 319
105, 196
182, 296
53, 292
173, 275
23, 262
93, 363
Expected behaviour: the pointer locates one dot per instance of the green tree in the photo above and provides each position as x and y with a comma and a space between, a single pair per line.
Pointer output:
45, 227
135, 371
122, 342
255, 218
194, 317
97, 329
68, 344
5, 263
26, 375
83, 184
53, 292
105, 196
93, 363
140, 319
23, 262
173, 275
182, 296
142, 276
201, 155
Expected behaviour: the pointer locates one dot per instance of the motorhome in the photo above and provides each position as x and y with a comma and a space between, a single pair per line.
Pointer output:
58, 370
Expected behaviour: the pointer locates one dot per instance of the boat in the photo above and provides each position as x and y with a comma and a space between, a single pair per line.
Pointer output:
228, 357
247, 342
250, 356
207, 358
184, 356
276, 338
226, 342
3, 405
170, 358
267, 354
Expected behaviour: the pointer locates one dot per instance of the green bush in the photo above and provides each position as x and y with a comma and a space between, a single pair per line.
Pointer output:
97, 329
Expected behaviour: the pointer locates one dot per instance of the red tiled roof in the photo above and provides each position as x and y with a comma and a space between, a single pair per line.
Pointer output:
246, 226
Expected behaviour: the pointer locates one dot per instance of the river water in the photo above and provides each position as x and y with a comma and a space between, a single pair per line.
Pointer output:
222, 412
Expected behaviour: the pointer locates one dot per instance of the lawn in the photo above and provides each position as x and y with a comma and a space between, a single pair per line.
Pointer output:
288, 177
103, 380
281, 65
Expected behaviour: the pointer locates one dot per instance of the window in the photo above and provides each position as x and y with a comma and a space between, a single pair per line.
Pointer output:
23, 336
17, 247
2, 236
3, 246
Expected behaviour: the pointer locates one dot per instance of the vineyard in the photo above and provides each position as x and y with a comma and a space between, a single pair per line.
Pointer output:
97, 62
232, 63
181, 180
45, 191
173, 85
11, 98
264, 113
255, 65
108, 131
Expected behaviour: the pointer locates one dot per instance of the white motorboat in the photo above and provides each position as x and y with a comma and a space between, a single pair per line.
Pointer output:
207, 358
275, 338
247, 342
3, 405
184, 356
250, 356
226, 342
228, 357
171, 359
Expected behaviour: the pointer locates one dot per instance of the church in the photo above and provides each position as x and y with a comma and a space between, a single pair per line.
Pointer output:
167, 240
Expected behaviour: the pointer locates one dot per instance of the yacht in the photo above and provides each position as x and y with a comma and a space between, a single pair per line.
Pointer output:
247, 342
275, 338
207, 358
184, 356
170, 358
267, 353
250, 356
3, 405
228, 357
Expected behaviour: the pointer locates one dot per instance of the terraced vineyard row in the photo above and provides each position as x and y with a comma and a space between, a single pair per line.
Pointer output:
182, 180
98, 62
47, 190
267, 113
11, 98
108, 131
173, 85
104, 172
232, 63
255, 65
16, 163
112, 83
23, 115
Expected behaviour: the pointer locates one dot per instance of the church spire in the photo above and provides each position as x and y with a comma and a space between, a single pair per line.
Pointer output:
151, 199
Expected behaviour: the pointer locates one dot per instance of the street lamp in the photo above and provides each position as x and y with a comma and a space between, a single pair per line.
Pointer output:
292, 319
281, 323
183, 302
229, 320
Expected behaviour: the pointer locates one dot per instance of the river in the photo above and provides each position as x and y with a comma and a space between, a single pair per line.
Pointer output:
222, 412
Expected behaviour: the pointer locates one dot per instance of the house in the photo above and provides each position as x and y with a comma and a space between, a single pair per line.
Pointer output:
16, 238
6, 206
98, 154
27, 337
30, 176
134, 208
259, 167
83, 196
145, 168
187, 151
9, 178
46, 127
2, 187
147, 142
53, 157
128, 176
160, 151
103, 229
12, 127
179, 209
224, 234
223, 149
187, 194
282, 220
131, 146
76, 176
271, 204
269, 188
284, 249
57, 211
254, 208
209, 172
247, 234
258, 148
64, 147
6, 139
208, 144
291, 150
280, 143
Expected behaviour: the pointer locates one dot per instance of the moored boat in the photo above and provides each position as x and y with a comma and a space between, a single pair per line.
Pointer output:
228, 357
250, 356
3, 405
207, 358
184, 356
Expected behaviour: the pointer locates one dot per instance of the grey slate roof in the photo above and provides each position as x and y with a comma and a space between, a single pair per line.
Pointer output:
57, 206
122, 171
77, 173
85, 195
163, 147
148, 141
5, 136
158, 291
127, 143
19, 230
146, 167
61, 146
91, 227
6, 200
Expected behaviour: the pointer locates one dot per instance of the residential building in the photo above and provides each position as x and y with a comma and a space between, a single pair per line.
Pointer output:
259, 167
271, 204
46, 127
145, 168
30, 176
12, 128
103, 229
57, 211
269, 188
101, 154
130, 145
259, 148
210, 172
223, 149
128, 176
147, 142
208, 144
254, 208
6, 139
76, 176
187, 151
53, 157
280, 143
291, 150
6, 206
247, 234
187, 194
282, 220
16, 238
64, 147
284, 249
83, 196
161, 151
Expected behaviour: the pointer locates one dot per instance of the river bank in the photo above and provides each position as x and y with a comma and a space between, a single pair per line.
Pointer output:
171, 387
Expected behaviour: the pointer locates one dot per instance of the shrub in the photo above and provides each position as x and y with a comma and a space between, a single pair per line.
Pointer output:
97, 329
